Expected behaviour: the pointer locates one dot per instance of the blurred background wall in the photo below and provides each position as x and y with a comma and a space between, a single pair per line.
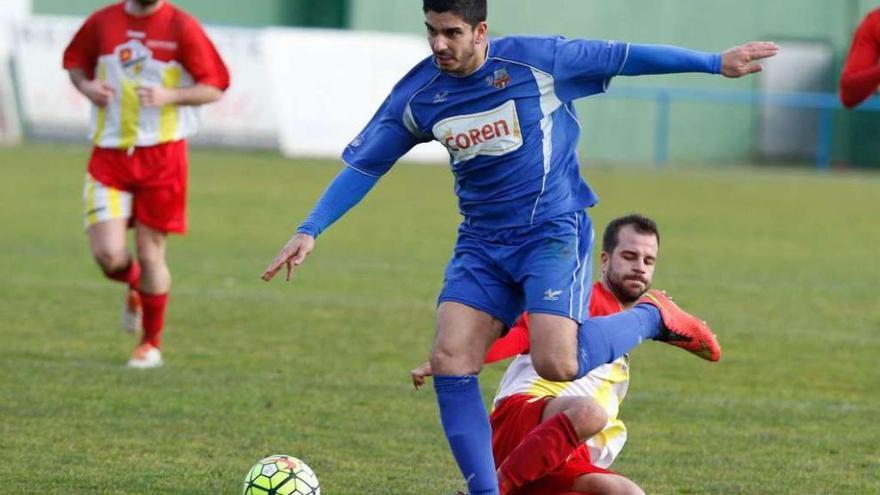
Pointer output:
255, 13
699, 131
619, 127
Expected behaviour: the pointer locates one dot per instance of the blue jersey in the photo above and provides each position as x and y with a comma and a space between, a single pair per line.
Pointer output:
510, 127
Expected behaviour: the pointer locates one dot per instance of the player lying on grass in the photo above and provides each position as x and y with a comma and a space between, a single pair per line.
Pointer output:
552, 438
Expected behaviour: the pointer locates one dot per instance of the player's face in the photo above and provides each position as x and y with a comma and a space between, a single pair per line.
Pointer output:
458, 47
629, 270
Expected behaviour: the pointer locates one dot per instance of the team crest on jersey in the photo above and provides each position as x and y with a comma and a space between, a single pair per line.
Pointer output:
357, 141
499, 79
133, 55
494, 132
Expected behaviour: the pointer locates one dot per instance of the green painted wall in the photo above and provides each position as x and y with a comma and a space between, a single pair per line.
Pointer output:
317, 13
615, 129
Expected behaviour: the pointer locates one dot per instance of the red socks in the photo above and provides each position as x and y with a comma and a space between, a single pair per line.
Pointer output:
130, 275
154, 317
154, 304
542, 451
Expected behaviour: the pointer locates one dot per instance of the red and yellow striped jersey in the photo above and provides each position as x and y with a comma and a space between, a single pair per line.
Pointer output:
168, 48
607, 384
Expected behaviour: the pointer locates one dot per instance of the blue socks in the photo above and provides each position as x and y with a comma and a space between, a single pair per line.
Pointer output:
603, 339
466, 425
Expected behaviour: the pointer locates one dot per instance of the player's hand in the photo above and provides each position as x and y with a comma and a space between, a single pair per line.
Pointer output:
98, 92
155, 96
419, 374
292, 254
737, 61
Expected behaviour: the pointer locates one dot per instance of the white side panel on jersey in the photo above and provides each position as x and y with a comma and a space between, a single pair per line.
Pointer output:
549, 103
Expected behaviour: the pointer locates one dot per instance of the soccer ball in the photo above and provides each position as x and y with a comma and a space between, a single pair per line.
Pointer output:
281, 475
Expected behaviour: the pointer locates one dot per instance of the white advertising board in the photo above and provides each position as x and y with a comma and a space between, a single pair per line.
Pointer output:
330, 83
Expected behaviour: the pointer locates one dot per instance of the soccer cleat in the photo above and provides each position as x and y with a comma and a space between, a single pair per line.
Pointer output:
145, 356
682, 329
132, 312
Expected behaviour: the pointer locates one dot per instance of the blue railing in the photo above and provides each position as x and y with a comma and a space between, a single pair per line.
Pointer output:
825, 103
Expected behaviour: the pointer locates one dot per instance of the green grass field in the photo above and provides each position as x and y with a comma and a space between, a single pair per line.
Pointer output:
782, 262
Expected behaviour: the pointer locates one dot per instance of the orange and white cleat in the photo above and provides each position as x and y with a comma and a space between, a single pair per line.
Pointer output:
145, 356
132, 312
683, 329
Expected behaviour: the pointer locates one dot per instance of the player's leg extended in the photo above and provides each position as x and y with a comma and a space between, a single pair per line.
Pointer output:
563, 350
602, 340
565, 344
106, 213
566, 422
464, 334
155, 285
160, 208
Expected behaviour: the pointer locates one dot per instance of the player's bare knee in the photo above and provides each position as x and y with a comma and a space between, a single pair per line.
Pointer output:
151, 259
556, 370
110, 260
444, 362
587, 417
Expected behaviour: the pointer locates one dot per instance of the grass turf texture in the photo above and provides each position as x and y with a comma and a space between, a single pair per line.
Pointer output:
782, 263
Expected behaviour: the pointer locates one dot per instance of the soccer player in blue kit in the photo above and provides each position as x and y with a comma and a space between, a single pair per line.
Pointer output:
504, 111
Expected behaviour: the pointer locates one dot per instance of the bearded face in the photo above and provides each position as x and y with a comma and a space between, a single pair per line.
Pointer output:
627, 286
629, 270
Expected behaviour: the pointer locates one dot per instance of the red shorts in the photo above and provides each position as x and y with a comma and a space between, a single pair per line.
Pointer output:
155, 176
512, 420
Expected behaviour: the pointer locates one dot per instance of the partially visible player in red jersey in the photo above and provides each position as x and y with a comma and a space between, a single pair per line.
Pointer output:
861, 73
145, 65
558, 438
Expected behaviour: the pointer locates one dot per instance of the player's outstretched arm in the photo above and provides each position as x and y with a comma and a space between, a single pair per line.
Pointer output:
642, 60
291, 255
345, 191
739, 61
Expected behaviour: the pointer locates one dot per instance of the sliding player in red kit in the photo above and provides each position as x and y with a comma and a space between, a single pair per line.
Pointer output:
560, 438
145, 65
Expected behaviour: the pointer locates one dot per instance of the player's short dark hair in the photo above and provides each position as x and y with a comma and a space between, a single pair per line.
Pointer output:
472, 12
640, 223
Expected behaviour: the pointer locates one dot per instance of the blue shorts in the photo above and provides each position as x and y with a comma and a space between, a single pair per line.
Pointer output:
543, 268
